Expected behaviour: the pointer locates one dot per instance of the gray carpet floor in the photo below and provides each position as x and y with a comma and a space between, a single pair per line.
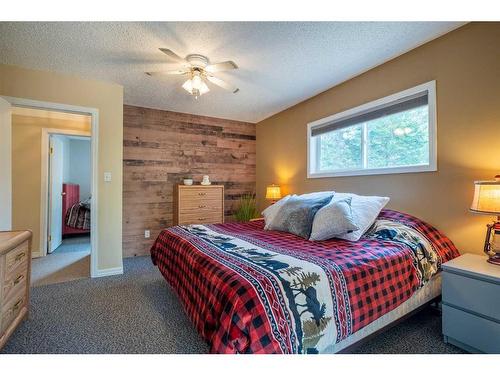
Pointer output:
75, 243
137, 312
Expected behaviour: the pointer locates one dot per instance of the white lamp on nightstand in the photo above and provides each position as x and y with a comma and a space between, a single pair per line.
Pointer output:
273, 193
487, 201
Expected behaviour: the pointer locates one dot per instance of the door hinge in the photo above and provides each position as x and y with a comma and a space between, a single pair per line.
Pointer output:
50, 238
51, 150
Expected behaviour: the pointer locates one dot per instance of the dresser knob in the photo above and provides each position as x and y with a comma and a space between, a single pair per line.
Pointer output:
17, 305
202, 193
20, 256
18, 279
201, 206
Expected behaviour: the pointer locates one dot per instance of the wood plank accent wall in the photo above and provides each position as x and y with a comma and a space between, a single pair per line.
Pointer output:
160, 148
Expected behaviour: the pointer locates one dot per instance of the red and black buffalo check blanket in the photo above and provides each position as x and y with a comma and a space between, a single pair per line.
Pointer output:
248, 290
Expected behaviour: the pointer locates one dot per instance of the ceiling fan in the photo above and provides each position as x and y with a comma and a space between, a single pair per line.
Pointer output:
198, 70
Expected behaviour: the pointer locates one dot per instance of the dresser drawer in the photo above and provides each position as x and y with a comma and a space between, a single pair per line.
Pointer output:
12, 307
472, 294
472, 330
16, 258
200, 194
200, 205
15, 280
200, 218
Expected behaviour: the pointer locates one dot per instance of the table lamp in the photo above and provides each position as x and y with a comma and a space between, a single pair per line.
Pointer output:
273, 193
487, 201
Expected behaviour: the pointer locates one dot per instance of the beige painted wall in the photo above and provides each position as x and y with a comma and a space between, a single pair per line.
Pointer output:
107, 98
466, 66
26, 169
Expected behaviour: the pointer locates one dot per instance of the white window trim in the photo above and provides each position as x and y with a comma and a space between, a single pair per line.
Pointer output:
430, 87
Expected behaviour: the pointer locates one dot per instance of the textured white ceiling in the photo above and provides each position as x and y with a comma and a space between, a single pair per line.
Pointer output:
280, 63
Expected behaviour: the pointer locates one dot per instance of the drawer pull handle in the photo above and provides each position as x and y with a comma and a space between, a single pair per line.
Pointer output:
202, 193
201, 218
17, 305
18, 279
20, 256
202, 206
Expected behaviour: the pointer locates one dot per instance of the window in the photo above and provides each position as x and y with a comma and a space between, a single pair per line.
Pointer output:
395, 134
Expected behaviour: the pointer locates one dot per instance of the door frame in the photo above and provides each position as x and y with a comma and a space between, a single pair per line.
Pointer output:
94, 140
44, 191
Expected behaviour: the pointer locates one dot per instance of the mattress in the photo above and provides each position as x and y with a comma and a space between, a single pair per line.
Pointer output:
250, 290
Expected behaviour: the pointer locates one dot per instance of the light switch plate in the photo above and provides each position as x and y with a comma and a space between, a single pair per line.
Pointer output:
147, 233
107, 176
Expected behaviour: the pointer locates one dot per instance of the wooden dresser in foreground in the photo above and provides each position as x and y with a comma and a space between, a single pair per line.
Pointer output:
15, 271
198, 204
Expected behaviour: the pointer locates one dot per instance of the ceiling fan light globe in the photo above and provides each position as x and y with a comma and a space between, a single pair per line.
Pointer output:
196, 82
188, 86
203, 88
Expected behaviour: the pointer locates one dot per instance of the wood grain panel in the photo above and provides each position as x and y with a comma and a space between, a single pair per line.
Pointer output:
162, 147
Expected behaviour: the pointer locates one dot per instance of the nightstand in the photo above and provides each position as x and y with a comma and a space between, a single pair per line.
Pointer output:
471, 304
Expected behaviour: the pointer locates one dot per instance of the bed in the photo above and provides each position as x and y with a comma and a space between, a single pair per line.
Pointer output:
75, 214
249, 290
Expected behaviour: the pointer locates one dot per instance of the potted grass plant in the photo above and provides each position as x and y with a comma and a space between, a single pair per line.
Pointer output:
246, 208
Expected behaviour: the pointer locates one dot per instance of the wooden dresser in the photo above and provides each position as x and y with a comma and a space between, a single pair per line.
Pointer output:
198, 204
15, 271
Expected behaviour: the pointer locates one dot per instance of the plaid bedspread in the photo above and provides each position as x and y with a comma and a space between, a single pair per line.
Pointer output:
78, 216
248, 290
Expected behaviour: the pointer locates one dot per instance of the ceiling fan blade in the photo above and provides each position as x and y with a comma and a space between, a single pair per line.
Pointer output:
219, 82
168, 72
172, 55
220, 67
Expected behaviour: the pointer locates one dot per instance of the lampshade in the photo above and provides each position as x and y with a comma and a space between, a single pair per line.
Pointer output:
486, 197
273, 192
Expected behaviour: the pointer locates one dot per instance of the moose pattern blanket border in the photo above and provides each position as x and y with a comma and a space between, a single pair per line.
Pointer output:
248, 290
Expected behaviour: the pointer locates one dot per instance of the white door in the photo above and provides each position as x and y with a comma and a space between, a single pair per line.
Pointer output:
5, 165
56, 160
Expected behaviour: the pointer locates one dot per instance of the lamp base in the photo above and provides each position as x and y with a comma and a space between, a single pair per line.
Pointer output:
495, 259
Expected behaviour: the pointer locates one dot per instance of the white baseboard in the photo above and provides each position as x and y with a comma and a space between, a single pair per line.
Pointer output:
108, 272
36, 254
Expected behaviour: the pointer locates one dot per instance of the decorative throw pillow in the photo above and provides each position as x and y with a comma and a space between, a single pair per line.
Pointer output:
297, 214
270, 212
318, 194
333, 220
365, 211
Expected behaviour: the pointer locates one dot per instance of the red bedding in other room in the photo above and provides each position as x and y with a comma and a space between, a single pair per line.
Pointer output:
253, 291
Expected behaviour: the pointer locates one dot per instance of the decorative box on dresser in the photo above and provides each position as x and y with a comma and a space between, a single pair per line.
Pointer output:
198, 204
471, 304
15, 271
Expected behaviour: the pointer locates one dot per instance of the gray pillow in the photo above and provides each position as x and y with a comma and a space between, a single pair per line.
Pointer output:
333, 220
297, 214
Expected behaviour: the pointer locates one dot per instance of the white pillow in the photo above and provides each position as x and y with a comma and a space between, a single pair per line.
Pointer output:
333, 220
364, 212
270, 212
317, 194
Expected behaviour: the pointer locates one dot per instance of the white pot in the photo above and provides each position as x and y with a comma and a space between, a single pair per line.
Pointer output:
188, 181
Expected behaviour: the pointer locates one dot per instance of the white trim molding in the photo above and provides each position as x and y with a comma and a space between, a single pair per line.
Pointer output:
312, 154
5, 165
108, 272
94, 113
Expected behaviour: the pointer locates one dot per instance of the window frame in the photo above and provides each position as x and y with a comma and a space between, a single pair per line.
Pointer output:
313, 154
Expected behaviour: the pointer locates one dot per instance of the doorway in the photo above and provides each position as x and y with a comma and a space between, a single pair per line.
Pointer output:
66, 253
82, 237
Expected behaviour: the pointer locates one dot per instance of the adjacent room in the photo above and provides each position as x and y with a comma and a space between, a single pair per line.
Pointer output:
55, 182
250, 187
